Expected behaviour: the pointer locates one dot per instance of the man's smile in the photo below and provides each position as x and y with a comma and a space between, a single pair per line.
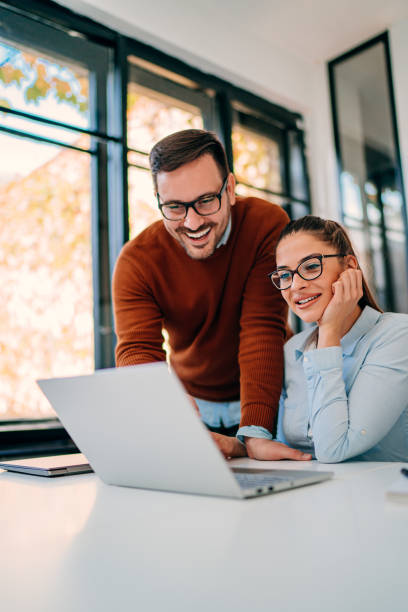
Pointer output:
198, 236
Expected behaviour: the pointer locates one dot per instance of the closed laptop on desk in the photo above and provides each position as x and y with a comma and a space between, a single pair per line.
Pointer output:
59, 465
137, 428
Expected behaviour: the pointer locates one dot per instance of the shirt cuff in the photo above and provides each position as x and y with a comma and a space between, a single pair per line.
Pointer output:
253, 431
327, 358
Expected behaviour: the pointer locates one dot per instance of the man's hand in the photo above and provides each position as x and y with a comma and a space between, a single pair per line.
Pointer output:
229, 446
269, 450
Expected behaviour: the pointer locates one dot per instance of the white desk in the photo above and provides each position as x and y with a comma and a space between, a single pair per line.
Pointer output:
74, 544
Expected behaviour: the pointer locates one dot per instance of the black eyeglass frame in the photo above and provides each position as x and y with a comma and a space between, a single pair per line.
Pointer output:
193, 203
296, 271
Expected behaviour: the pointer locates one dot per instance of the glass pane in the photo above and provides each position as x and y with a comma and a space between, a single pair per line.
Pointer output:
368, 247
42, 85
392, 205
396, 252
246, 191
299, 210
152, 116
371, 192
138, 159
296, 168
352, 204
377, 268
143, 209
256, 159
46, 326
43, 130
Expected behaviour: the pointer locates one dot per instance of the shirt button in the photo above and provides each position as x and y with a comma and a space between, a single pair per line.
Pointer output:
306, 359
363, 432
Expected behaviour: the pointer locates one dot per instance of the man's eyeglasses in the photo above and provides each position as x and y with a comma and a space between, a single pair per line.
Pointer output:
309, 269
206, 205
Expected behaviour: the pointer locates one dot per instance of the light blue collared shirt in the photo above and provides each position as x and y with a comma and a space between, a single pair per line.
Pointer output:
349, 401
228, 414
224, 238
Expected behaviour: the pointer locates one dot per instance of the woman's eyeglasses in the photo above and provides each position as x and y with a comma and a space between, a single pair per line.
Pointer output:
309, 269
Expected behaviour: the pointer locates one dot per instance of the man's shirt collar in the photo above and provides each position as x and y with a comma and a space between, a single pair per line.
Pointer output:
224, 238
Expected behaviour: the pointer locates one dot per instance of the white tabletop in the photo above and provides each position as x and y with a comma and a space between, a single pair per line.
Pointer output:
75, 544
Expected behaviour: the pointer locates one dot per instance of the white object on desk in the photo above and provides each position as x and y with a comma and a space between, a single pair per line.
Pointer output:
399, 491
56, 465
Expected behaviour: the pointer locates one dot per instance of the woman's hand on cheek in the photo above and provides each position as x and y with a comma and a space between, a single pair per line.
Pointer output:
334, 323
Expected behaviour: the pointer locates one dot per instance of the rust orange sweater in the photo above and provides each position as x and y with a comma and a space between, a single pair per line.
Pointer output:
225, 320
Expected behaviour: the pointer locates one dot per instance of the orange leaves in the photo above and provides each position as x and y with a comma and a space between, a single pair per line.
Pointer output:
46, 327
41, 78
9, 74
5, 103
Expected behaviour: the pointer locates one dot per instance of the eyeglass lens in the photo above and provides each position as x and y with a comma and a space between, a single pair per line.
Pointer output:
205, 206
308, 270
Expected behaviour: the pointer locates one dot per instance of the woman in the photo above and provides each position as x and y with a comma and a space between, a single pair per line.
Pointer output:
345, 391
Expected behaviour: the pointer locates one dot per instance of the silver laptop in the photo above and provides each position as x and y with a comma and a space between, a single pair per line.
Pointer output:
137, 428
57, 465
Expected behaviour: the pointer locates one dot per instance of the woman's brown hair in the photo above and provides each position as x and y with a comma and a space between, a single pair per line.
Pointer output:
335, 235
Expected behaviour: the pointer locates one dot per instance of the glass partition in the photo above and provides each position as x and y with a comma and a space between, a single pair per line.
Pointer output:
372, 194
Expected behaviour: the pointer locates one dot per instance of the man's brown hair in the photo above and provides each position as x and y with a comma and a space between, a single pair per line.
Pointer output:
183, 147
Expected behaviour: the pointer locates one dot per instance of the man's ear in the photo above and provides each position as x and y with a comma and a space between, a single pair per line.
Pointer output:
351, 262
231, 189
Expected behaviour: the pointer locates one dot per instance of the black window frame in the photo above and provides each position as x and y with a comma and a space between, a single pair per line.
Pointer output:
110, 231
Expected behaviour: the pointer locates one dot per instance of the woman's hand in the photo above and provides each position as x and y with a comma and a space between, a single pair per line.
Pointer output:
342, 310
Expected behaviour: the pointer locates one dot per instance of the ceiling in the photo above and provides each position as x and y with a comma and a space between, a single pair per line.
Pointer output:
313, 30
319, 30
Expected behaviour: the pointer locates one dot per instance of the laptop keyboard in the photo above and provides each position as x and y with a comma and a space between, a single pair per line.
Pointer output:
247, 480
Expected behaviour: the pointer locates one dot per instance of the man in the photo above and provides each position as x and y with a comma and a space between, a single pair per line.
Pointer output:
201, 273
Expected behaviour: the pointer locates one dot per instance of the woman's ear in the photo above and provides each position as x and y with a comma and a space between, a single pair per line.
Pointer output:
351, 262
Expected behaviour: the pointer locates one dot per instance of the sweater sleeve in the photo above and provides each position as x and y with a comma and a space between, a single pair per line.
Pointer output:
138, 318
262, 334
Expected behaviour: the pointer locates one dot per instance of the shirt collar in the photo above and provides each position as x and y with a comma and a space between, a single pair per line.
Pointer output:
224, 238
362, 326
302, 348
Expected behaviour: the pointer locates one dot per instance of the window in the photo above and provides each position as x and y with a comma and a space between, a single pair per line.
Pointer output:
156, 107
372, 194
80, 108
269, 162
53, 122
